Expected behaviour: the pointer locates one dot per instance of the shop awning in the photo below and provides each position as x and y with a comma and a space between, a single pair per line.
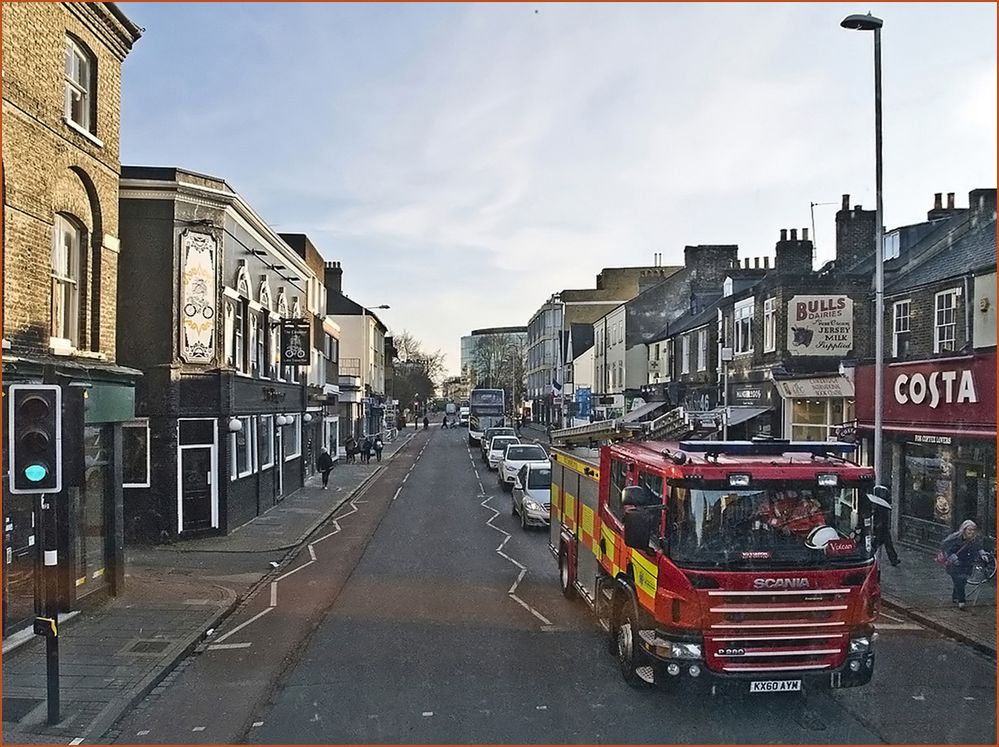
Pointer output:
649, 407
824, 386
738, 415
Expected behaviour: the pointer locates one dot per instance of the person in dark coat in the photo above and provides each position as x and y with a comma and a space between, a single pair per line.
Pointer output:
426, 422
366, 450
378, 447
882, 525
961, 549
324, 464
350, 446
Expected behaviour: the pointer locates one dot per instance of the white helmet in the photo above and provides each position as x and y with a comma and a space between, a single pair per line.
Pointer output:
819, 537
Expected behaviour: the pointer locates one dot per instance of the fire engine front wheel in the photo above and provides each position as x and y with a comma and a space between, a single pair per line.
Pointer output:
636, 672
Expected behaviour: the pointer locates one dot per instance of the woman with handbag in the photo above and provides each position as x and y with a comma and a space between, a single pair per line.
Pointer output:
959, 552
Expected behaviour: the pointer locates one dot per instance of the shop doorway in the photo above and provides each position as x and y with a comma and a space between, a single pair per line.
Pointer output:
197, 471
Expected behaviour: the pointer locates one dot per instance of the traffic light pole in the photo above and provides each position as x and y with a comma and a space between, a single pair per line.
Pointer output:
50, 570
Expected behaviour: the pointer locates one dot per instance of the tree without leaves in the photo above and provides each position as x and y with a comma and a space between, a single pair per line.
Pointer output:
499, 362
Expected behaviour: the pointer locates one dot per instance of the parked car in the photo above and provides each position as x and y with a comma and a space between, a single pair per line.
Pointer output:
531, 496
487, 437
517, 456
497, 446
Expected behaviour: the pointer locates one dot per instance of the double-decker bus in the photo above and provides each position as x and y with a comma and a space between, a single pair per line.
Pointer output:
486, 408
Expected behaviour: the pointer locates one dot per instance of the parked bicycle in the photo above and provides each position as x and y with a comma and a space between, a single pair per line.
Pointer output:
984, 568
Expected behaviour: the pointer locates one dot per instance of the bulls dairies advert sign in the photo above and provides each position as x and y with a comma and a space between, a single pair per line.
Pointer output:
820, 325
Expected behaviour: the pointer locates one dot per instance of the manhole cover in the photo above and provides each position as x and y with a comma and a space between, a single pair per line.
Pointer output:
147, 647
14, 709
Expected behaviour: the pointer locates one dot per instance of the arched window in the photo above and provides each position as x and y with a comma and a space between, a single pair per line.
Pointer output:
80, 75
67, 261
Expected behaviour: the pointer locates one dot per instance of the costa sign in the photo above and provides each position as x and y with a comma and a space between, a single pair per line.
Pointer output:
938, 387
951, 395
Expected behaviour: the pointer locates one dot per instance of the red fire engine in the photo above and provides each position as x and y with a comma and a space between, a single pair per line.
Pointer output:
726, 563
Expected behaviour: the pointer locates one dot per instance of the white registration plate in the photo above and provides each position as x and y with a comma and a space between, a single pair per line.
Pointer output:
774, 686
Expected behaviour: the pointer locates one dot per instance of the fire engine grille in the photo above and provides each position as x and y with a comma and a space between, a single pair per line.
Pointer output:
776, 631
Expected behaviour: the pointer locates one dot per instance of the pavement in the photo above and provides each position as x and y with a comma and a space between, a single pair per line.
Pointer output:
113, 656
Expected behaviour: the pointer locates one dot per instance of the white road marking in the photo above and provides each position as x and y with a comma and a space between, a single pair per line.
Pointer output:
198, 728
257, 723
227, 646
892, 617
142, 733
899, 626
428, 713
273, 593
79, 740
919, 697
397, 493
312, 553
243, 625
306, 564
541, 708
968, 697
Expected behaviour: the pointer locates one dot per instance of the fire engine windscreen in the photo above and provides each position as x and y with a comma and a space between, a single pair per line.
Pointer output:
776, 524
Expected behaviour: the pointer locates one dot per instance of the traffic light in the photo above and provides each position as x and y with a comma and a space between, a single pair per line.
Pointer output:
35, 438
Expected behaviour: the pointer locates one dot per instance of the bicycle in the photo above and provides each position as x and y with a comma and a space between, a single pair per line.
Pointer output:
984, 568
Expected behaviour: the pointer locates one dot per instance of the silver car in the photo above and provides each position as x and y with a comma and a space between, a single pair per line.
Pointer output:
487, 438
531, 497
497, 446
516, 456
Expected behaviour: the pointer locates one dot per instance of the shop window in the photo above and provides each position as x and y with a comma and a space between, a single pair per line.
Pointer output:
91, 535
945, 323
78, 85
901, 320
241, 450
744, 327
265, 441
817, 419
67, 268
769, 325
135, 454
293, 437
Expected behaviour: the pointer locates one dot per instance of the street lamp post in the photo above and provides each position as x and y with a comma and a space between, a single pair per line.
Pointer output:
364, 357
870, 23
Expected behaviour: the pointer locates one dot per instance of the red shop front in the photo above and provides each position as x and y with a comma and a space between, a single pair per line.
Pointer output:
939, 442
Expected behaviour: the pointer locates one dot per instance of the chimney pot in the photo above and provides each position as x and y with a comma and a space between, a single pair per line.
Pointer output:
846, 202
938, 201
783, 234
950, 200
766, 263
804, 234
794, 234
756, 263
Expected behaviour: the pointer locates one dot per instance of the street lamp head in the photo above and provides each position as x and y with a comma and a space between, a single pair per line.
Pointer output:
383, 306
858, 22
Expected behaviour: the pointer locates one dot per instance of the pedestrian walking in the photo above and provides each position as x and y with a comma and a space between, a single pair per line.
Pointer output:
350, 446
366, 450
882, 524
378, 447
959, 551
426, 422
324, 465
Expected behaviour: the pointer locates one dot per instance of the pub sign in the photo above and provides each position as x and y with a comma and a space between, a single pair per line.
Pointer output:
295, 342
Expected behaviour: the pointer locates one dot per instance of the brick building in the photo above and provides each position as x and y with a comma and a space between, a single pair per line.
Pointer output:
939, 383
61, 118
207, 297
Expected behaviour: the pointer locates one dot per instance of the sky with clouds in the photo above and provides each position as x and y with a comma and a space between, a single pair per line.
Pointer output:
464, 162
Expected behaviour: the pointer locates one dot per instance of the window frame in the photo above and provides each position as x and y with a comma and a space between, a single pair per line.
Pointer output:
702, 349
69, 328
75, 52
770, 325
136, 424
742, 318
261, 466
297, 423
896, 317
234, 473
685, 353
938, 342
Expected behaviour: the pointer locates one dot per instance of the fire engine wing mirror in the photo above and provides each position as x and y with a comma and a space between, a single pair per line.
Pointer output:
638, 526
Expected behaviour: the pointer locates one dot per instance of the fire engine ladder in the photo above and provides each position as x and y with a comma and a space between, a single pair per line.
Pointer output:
672, 425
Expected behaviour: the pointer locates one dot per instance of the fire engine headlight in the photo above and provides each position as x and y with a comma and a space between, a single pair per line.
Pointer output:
681, 650
828, 480
860, 645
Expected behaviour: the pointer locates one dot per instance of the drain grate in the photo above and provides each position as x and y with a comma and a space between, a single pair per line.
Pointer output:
15, 709
147, 647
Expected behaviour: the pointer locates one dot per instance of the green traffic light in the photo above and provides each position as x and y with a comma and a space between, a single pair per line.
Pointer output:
36, 472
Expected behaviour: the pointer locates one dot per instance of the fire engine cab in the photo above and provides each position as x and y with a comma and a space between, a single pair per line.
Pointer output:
745, 564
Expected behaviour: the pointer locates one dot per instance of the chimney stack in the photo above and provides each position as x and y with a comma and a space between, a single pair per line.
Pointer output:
938, 201
783, 234
333, 277
804, 234
950, 200
794, 256
794, 234
846, 202
766, 263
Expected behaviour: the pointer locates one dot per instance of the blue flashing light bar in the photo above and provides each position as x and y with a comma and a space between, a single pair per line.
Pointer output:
767, 448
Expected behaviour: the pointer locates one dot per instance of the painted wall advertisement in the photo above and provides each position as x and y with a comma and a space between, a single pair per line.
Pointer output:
820, 325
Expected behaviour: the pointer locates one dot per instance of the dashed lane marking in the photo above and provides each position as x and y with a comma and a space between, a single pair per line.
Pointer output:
397, 493
227, 646
198, 728
142, 733
257, 723
78, 740
428, 713
273, 593
312, 553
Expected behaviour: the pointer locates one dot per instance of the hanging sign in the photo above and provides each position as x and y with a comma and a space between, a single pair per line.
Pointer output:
295, 342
